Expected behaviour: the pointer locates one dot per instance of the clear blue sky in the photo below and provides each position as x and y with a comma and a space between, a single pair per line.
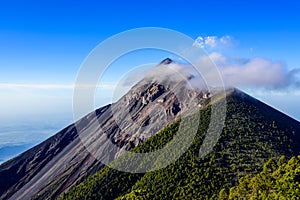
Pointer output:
45, 42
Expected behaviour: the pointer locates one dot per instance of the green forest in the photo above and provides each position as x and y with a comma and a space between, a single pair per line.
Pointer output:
253, 159
278, 180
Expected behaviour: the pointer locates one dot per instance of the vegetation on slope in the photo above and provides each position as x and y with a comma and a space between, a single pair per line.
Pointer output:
253, 133
278, 180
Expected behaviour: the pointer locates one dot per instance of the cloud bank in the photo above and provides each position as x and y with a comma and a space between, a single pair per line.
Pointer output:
254, 73
104, 86
257, 73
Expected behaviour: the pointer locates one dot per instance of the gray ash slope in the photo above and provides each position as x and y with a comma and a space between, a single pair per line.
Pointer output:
63, 160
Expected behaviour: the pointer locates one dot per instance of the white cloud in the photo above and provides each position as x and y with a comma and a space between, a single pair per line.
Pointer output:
217, 57
212, 42
257, 72
226, 40
34, 86
199, 42
105, 86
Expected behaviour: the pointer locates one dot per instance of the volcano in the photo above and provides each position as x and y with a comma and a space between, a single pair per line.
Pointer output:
71, 164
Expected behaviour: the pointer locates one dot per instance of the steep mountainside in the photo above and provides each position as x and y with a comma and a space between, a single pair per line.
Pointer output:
253, 133
68, 157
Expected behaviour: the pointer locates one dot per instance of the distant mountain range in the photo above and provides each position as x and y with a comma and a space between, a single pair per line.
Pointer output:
144, 120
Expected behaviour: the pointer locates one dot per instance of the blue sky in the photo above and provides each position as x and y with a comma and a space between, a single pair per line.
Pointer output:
43, 43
